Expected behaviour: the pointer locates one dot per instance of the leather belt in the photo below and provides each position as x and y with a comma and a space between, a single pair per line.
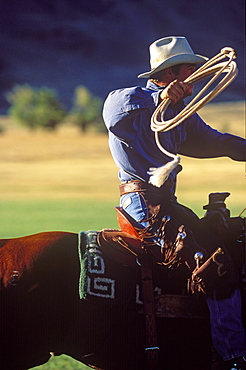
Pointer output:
133, 186
141, 186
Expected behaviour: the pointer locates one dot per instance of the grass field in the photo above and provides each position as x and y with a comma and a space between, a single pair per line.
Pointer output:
68, 181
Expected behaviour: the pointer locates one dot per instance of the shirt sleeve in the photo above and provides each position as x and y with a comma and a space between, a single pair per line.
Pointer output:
125, 109
202, 141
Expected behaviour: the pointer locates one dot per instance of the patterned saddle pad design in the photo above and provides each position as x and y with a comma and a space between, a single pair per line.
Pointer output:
102, 278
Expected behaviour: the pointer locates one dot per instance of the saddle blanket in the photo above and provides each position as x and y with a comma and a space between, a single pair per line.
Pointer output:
103, 279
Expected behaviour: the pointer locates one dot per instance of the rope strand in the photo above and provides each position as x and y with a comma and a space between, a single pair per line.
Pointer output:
159, 175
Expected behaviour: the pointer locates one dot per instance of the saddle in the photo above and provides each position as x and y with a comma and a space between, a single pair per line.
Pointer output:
120, 246
125, 245
129, 245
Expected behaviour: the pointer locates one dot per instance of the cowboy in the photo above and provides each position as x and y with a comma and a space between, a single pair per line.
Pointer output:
127, 114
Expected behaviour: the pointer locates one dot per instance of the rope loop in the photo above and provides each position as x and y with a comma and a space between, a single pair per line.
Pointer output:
206, 70
228, 50
158, 124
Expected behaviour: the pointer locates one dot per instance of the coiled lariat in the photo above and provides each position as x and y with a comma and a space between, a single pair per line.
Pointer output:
158, 124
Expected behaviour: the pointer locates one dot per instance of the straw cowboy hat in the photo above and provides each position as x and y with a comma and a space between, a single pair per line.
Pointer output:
169, 51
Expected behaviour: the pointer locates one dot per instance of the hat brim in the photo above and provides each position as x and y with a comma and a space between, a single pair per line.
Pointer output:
172, 61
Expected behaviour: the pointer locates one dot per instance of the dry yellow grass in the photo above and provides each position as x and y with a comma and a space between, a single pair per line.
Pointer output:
68, 165
56, 165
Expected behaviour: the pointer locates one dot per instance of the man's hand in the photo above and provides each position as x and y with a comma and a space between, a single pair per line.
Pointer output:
176, 91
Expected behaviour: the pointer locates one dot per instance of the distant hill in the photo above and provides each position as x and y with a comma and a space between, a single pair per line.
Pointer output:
103, 44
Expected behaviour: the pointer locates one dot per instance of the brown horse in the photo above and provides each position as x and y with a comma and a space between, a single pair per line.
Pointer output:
42, 313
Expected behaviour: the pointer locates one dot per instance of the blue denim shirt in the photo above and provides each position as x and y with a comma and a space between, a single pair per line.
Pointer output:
127, 113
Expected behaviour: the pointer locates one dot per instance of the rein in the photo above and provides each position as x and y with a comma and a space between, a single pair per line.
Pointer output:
158, 124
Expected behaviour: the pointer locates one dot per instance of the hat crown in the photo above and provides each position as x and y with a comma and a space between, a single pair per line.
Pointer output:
168, 47
170, 51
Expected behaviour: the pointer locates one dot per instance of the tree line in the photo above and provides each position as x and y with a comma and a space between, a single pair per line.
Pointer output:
41, 108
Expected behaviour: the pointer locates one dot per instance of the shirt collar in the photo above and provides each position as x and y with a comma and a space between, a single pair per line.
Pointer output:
152, 86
